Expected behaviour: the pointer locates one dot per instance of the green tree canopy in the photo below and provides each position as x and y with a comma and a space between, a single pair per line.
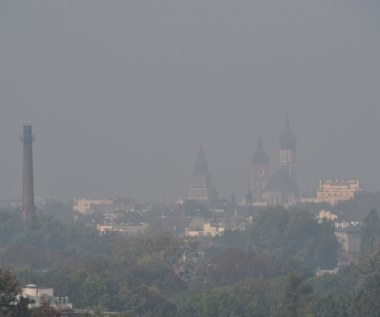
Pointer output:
11, 305
370, 232
296, 234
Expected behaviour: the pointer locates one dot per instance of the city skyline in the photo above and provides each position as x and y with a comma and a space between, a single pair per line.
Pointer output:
273, 164
122, 95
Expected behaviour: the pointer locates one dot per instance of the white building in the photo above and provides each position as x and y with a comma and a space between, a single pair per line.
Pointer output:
126, 229
41, 295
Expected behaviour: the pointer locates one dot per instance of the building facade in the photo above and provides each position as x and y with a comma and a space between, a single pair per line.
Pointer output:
41, 295
334, 191
260, 173
201, 188
279, 188
288, 146
88, 206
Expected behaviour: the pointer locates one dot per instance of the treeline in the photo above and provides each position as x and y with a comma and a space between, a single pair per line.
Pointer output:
268, 270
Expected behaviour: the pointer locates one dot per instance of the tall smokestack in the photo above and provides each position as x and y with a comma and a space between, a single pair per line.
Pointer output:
27, 181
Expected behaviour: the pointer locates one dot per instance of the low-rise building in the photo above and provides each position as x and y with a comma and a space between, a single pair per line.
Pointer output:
88, 206
41, 295
322, 272
350, 239
328, 215
334, 191
200, 228
125, 228
175, 225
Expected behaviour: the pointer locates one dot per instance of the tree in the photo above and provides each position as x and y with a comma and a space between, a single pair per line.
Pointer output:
11, 304
370, 284
147, 302
248, 299
336, 295
371, 232
295, 234
327, 249
295, 290
45, 311
234, 265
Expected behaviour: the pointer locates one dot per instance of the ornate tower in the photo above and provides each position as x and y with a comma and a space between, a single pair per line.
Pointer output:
259, 172
288, 151
200, 188
27, 185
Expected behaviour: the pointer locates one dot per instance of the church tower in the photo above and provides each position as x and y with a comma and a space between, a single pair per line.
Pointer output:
200, 188
288, 151
259, 172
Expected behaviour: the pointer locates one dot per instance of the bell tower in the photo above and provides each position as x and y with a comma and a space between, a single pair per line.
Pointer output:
288, 145
200, 188
259, 172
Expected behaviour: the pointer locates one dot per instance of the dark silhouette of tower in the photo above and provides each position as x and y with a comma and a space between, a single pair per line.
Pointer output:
27, 182
200, 188
259, 172
288, 151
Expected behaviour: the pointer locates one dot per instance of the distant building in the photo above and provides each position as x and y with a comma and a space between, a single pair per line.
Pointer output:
41, 295
200, 228
328, 215
201, 188
350, 239
323, 272
88, 206
125, 229
260, 173
334, 191
288, 146
280, 188
175, 225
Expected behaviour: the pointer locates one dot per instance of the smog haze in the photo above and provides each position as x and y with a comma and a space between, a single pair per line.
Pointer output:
121, 94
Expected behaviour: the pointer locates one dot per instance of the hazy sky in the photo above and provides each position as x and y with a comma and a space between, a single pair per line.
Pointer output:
122, 93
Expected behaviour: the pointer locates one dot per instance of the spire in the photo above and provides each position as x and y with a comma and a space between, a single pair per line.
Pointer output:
201, 188
260, 145
287, 138
201, 165
260, 156
201, 154
287, 123
248, 195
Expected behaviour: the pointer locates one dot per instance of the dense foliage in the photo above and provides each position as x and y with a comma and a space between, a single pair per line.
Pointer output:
266, 271
295, 234
10, 306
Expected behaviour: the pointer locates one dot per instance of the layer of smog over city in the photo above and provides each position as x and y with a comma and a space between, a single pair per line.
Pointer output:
190, 158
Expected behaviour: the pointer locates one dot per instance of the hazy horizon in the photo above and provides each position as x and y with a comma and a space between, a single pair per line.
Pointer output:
121, 94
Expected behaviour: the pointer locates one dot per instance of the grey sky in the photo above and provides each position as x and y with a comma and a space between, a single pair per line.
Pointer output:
121, 93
